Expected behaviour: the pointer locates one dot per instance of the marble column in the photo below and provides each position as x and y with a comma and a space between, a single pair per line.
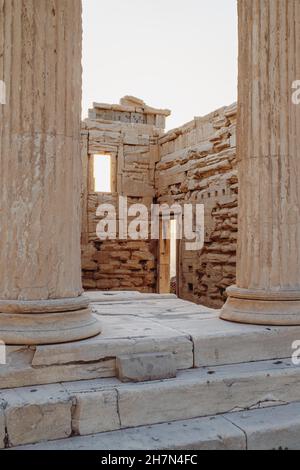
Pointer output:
268, 260
41, 299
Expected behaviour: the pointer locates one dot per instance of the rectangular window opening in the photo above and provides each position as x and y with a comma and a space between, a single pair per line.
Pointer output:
103, 173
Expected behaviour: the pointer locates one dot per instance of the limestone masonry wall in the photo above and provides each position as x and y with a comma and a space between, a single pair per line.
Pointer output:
129, 134
196, 162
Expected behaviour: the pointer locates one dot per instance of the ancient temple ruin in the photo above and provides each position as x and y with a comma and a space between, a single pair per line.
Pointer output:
124, 363
194, 163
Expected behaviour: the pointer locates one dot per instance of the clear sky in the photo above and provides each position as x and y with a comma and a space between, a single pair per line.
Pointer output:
174, 54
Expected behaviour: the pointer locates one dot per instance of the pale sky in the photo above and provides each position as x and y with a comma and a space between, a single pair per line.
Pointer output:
174, 54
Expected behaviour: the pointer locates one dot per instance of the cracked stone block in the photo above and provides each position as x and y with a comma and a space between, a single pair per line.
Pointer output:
146, 367
2, 429
274, 428
33, 415
96, 412
207, 391
213, 433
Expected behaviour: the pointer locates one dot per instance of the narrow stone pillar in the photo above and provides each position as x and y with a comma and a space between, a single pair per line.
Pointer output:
268, 260
40, 174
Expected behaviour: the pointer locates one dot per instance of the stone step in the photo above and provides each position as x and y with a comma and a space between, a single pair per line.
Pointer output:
49, 412
261, 429
195, 336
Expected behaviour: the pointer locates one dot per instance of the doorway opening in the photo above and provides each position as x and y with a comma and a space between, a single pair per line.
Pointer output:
168, 258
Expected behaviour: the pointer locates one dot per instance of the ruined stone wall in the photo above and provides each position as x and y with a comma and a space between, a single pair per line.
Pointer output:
128, 132
194, 163
198, 164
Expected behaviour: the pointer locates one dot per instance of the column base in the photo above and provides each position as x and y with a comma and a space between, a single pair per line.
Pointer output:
47, 321
258, 307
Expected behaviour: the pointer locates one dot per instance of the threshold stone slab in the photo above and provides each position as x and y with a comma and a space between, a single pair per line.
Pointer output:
146, 367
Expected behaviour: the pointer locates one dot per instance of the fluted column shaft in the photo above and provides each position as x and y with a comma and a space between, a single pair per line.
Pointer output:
268, 262
40, 173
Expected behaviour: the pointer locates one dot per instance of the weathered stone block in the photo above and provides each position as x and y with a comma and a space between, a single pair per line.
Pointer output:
37, 414
146, 367
96, 412
275, 428
215, 433
203, 392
